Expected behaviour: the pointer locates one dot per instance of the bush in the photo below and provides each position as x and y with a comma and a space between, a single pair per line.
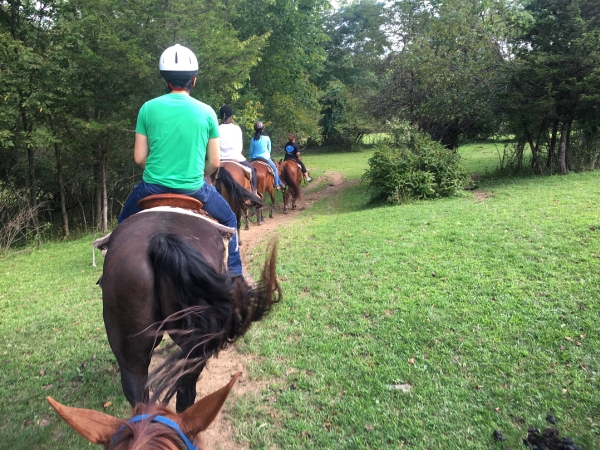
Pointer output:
413, 166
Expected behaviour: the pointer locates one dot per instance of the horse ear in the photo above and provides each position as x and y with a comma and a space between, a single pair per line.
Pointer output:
200, 415
96, 427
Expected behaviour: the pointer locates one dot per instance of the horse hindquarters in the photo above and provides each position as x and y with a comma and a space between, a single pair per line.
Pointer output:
292, 177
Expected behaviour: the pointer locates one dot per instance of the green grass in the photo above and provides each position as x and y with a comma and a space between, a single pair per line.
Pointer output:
481, 295
495, 301
53, 343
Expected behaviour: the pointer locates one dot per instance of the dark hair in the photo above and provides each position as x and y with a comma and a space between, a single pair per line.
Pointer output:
187, 84
258, 127
225, 112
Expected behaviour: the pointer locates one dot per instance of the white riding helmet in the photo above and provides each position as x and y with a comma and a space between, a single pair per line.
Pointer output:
178, 63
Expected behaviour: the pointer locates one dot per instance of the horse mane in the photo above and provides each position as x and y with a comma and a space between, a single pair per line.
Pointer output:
146, 435
216, 309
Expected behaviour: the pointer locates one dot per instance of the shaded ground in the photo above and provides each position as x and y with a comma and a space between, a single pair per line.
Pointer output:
219, 371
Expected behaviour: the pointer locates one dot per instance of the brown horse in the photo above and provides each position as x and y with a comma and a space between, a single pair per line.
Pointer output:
152, 426
265, 181
233, 185
165, 272
291, 175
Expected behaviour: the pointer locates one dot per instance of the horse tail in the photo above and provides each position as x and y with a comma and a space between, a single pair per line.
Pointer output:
237, 194
215, 309
289, 179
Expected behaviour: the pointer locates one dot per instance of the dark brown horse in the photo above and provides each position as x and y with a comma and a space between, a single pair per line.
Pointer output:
291, 174
152, 426
265, 181
233, 185
165, 272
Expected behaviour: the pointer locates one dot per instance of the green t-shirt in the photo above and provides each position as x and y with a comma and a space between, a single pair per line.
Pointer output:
178, 128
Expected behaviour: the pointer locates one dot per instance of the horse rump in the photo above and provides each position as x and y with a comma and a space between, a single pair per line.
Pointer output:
236, 191
288, 174
215, 309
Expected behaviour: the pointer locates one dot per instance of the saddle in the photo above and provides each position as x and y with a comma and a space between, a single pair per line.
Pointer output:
264, 163
173, 203
247, 170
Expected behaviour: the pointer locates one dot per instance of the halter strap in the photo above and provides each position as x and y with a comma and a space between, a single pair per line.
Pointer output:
168, 422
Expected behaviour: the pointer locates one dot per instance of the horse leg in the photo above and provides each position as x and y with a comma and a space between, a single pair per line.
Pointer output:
272, 194
186, 390
246, 219
133, 357
285, 199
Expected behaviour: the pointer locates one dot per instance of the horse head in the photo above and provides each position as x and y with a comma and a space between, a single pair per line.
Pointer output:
151, 424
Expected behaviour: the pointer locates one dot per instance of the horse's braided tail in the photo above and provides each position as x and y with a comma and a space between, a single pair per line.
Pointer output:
236, 191
290, 180
216, 309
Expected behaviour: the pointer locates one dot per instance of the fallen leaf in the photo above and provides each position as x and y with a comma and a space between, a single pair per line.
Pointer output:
107, 404
411, 360
478, 387
26, 423
369, 427
568, 338
497, 409
578, 343
564, 391
404, 387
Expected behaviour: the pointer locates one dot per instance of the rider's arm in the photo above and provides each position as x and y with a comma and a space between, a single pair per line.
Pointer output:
140, 150
213, 156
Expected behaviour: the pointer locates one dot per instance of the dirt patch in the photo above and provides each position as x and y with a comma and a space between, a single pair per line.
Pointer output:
481, 196
218, 371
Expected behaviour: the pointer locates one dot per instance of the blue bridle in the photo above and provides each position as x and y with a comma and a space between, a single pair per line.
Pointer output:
164, 421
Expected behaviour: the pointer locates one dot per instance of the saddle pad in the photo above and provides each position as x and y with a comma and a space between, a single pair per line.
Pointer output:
227, 233
247, 170
260, 161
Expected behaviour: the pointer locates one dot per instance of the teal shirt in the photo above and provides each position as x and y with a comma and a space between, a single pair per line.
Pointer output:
260, 148
178, 128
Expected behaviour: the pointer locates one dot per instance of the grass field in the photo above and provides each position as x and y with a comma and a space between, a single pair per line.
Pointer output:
484, 312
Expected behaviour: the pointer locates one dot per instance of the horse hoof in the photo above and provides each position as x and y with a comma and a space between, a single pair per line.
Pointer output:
285, 212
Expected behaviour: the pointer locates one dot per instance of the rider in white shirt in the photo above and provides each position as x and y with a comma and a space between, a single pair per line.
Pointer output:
232, 141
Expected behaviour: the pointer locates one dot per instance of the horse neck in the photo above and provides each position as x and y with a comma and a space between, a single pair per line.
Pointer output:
145, 435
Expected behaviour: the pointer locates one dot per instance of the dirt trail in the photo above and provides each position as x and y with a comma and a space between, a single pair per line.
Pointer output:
218, 371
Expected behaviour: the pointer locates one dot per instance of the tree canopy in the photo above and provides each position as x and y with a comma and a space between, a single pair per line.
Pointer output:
74, 73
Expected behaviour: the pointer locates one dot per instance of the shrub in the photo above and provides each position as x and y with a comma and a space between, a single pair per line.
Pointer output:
413, 166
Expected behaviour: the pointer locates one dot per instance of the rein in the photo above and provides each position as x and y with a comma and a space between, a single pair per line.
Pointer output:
163, 420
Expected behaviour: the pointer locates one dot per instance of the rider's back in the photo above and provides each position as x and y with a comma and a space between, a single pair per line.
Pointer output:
178, 128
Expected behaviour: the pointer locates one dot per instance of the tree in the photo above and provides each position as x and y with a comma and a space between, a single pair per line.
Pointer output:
291, 58
554, 81
357, 44
444, 72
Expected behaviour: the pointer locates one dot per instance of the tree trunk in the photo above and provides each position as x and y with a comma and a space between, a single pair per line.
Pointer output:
104, 192
98, 194
33, 195
61, 187
568, 149
562, 148
535, 161
550, 160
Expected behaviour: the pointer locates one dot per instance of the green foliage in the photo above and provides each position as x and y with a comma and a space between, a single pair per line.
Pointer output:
291, 58
445, 74
414, 167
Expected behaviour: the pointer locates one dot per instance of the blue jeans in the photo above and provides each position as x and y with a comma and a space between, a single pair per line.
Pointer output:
213, 203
